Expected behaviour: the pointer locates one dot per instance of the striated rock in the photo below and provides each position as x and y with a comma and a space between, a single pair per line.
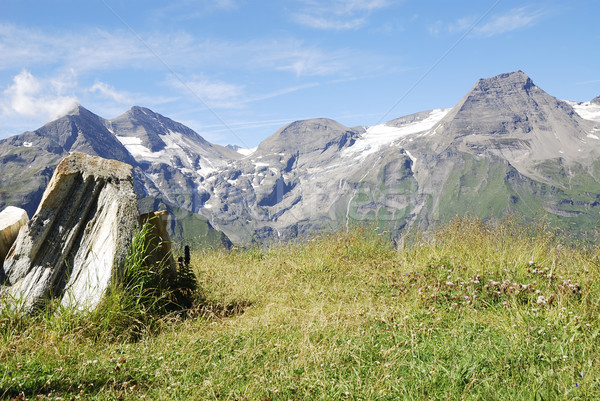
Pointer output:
77, 241
11, 220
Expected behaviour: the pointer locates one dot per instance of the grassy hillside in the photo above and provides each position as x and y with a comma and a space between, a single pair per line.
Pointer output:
471, 311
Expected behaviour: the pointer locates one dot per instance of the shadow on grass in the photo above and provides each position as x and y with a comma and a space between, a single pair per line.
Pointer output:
217, 310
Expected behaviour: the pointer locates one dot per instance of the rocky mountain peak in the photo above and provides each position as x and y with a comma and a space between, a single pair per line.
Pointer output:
80, 111
504, 85
596, 100
306, 136
149, 127
83, 131
509, 116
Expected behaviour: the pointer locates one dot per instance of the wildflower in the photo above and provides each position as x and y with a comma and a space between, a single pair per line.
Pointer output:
541, 300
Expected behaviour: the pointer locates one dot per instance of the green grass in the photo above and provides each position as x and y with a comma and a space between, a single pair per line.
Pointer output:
470, 311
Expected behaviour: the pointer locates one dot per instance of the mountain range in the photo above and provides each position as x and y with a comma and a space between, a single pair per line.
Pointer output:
506, 147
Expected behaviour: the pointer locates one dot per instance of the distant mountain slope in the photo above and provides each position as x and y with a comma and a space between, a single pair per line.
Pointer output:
506, 147
28, 160
173, 158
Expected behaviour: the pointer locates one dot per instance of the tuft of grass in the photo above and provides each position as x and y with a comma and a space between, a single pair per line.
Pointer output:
147, 294
345, 316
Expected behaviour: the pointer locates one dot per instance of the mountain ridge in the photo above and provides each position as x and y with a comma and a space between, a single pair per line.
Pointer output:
494, 152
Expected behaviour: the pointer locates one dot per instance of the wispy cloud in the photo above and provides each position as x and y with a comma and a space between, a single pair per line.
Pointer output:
295, 57
27, 48
108, 91
337, 14
282, 92
593, 81
182, 10
212, 92
515, 19
29, 96
89, 49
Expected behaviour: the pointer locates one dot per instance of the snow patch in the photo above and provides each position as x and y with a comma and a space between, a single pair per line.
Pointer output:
28, 144
587, 110
137, 150
592, 136
382, 135
172, 139
414, 159
247, 152
129, 140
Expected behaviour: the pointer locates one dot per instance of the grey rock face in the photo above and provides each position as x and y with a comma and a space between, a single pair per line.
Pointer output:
28, 160
282, 190
507, 146
11, 220
317, 174
170, 176
83, 131
509, 116
78, 239
173, 160
596, 100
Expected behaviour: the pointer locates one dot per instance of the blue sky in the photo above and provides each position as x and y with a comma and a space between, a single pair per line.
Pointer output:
237, 70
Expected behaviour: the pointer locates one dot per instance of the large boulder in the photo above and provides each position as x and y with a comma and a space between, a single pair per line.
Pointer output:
78, 239
11, 220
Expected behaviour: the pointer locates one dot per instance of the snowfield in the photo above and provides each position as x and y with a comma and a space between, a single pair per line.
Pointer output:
382, 135
587, 110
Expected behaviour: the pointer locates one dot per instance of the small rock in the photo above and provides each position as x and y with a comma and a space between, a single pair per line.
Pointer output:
11, 220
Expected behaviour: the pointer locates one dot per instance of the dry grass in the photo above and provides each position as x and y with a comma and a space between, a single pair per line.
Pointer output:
471, 311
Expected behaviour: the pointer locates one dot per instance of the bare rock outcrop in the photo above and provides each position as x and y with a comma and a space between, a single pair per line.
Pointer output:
77, 241
11, 220
159, 243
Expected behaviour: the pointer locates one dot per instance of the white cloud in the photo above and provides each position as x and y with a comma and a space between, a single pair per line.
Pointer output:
302, 60
516, 18
213, 93
27, 48
337, 14
28, 96
108, 91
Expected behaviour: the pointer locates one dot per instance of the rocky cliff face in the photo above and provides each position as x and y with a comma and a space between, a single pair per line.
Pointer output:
164, 179
510, 117
173, 160
507, 146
